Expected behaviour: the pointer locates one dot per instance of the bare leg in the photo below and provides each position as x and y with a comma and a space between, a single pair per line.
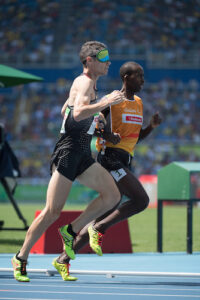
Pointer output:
98, 179
139, 200
57, 193
132, 188
95, 177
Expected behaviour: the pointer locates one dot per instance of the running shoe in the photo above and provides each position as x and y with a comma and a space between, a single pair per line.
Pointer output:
19, 267
68, 241
95, 240
63, 270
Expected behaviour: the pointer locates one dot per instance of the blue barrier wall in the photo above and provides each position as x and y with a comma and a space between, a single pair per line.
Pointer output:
151, 75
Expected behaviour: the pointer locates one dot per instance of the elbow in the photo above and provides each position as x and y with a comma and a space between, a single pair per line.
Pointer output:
77, 116
62, 112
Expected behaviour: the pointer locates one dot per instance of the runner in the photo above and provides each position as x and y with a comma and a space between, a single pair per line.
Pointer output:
72, 159
116, 148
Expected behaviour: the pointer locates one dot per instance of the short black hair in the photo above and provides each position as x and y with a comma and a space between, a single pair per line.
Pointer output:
128, 68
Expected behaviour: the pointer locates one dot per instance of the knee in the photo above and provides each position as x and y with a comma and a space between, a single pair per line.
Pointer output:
139, 204
144, 202
52, 214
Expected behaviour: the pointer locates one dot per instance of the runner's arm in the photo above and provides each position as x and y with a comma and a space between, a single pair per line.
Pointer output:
155, 122
82, 107
64, 107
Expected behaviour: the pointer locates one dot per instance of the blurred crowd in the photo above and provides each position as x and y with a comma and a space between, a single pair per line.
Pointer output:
32, 119
137, 27
27, 29
37, 31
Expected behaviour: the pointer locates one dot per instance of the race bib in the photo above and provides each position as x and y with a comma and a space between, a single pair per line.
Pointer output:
118, 174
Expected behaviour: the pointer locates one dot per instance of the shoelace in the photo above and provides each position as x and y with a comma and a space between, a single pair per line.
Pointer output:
65, 268
99, 239
23, 267
68, 241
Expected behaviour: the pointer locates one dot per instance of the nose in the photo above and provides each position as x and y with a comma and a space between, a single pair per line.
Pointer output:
108, 63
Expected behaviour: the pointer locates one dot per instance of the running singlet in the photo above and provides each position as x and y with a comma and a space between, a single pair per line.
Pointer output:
74, 135
126, 118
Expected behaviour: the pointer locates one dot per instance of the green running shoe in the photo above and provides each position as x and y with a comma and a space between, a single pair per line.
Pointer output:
95, 240
63, 270
68, 241
19, 267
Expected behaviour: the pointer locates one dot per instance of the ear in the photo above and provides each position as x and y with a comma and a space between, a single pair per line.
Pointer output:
89, 59
125, 78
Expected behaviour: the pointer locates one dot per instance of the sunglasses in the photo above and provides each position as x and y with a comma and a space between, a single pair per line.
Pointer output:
102, 56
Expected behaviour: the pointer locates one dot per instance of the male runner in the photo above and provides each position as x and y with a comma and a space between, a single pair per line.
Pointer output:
72, 159
121, 133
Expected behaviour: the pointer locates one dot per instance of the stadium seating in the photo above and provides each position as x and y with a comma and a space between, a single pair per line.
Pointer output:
41, 33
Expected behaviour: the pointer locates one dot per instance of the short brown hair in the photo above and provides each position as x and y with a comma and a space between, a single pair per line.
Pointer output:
90, 48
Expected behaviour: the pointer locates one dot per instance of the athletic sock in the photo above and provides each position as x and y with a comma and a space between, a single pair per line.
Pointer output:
70, 230
19, 257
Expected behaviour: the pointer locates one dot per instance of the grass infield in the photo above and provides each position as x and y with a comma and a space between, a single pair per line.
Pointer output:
143, 229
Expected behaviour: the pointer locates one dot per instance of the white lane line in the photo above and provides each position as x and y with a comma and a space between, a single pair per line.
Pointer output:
6, 298
104, 287
115, 278
110, 294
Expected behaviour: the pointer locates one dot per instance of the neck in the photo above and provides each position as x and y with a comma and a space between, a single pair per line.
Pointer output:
129, 94
90, 74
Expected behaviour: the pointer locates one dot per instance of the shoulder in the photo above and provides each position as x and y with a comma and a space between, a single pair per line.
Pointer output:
82, 80
138, 99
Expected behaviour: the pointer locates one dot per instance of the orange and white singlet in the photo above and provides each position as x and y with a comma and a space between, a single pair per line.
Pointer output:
126, 118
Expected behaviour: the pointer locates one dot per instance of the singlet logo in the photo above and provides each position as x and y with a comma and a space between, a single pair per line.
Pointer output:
64, 119
129, 110
132, 119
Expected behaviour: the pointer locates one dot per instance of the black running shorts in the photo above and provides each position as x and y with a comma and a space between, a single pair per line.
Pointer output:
72, 163
114, 159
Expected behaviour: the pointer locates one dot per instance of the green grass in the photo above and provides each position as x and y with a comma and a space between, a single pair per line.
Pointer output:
142, 228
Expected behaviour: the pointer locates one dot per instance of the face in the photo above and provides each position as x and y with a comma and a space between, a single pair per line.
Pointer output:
101, 68
135, 81
99, 63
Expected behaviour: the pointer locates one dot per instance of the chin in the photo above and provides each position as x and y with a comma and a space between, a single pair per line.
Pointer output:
104, 73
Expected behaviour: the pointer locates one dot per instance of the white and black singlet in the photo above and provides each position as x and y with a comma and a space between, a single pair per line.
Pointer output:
72, 153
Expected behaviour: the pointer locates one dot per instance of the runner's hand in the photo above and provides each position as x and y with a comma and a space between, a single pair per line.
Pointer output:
155, 120
101, 121
115, 97
112, 137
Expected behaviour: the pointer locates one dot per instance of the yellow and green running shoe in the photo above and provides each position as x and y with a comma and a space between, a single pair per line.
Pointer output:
63, 270
95, 240
19, 267
68, 241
